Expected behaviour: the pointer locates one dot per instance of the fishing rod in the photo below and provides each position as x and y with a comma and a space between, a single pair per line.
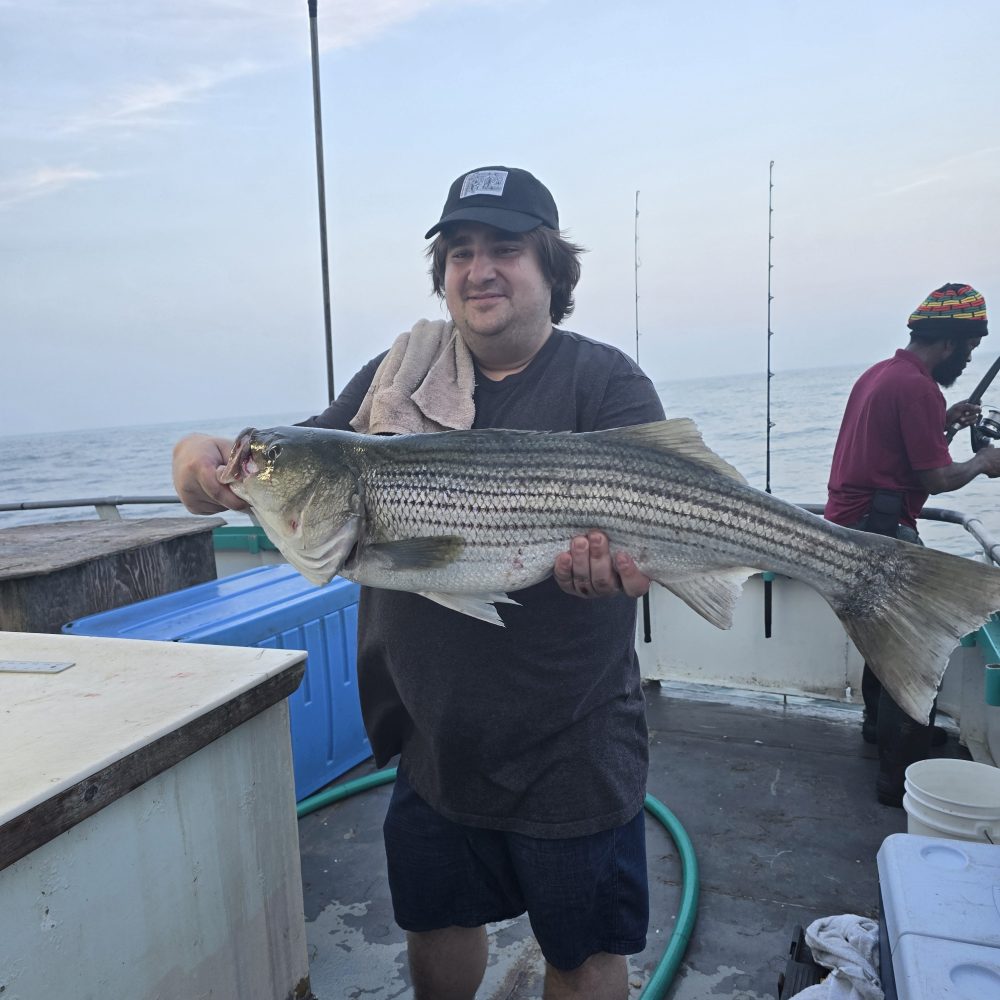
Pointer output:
770, 332
979, 439
636, 260
769, 577
647, 628
321, 187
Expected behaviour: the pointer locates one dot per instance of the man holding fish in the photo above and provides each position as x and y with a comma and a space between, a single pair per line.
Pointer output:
891, 454
523, 750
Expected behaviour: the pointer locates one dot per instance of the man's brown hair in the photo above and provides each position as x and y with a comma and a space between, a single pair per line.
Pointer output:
558, 258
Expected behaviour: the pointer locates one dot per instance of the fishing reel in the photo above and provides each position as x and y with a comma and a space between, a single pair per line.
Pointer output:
987, 428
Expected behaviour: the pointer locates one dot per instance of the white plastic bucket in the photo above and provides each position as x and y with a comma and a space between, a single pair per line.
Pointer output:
958, 799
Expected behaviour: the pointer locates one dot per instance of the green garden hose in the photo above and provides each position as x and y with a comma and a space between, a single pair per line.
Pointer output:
666, 969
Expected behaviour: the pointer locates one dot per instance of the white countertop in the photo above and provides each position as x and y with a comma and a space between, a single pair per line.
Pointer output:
57, 729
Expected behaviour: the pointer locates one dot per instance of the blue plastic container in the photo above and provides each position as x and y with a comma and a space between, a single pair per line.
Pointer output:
276, 608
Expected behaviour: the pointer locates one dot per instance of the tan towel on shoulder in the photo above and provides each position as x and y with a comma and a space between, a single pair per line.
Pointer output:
425, 383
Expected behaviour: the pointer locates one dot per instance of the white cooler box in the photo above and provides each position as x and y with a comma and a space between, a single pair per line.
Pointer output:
940, 928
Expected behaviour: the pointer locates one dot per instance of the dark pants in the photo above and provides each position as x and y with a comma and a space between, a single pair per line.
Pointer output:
901, 741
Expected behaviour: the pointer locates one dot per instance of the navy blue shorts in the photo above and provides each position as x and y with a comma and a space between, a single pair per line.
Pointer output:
583, 895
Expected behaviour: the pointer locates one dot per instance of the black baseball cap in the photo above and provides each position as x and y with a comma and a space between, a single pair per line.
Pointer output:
505, 197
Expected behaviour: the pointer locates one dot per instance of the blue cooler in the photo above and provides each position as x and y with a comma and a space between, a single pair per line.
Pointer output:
276, 608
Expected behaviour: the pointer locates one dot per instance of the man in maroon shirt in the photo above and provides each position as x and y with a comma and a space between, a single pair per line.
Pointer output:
892, 453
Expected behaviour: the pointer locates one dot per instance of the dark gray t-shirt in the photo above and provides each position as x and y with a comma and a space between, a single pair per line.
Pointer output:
538, 727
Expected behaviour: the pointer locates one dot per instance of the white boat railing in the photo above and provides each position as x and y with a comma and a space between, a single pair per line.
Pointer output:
106, 507
972, 524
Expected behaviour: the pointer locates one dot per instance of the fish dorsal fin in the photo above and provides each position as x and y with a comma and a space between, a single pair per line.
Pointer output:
713, 596
679, 436
418, 553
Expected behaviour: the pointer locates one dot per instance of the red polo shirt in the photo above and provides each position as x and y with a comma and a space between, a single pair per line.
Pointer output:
893, 426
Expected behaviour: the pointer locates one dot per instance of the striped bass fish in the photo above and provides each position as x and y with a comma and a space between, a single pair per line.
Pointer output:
467, 517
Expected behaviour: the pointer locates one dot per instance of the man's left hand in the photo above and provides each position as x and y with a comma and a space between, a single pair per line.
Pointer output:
963, 414
588, 570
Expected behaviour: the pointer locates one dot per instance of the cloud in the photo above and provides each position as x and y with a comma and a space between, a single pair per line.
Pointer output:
922, 182
345, 23
43, 181
146, 104
244, 37
255, 33
950, 169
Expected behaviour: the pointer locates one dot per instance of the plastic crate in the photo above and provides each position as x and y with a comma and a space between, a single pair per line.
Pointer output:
273, 607
242, 538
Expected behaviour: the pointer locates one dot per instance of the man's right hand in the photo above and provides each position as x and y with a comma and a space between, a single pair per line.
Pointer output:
198, 460
990, 457
985, 462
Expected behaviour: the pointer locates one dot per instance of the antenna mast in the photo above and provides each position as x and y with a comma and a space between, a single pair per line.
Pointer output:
637, 277
770, 334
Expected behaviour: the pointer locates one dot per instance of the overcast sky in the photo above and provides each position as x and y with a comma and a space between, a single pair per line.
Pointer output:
159, 248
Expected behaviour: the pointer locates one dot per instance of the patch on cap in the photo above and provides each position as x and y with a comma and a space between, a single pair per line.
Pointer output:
484, 182
506, 198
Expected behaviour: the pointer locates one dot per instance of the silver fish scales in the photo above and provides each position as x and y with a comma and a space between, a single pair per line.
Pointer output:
467, 517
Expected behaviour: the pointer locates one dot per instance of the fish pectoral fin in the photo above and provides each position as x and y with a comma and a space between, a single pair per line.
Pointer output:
679, 436
712, 595
479, 606
418, 553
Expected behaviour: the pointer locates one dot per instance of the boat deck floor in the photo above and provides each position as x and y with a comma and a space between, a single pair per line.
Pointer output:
777, 797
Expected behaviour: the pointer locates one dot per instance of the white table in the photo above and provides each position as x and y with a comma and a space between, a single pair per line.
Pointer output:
148, 841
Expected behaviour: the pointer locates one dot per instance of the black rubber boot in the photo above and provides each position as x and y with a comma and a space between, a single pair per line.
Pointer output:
871, 691
901, 742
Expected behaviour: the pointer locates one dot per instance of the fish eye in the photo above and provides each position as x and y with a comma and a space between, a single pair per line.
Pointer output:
273, 452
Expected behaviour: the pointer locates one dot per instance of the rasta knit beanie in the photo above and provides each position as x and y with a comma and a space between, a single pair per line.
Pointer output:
950, 311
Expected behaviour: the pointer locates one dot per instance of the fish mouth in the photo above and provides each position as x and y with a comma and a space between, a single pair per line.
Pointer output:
240, 464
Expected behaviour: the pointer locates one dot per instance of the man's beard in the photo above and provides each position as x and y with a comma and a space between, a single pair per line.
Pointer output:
946, 372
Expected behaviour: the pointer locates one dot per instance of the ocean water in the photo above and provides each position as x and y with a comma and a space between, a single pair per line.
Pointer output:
806, 407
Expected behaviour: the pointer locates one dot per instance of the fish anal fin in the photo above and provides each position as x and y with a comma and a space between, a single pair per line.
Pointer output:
481, 606
712, 595
431, 552
679, 436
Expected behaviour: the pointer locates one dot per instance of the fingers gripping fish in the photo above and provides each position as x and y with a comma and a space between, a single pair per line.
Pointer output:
467, 517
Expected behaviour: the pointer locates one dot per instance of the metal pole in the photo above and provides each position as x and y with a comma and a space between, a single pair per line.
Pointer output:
321, 187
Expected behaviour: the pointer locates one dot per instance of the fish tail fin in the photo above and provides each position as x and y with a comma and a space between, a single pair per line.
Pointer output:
906, 635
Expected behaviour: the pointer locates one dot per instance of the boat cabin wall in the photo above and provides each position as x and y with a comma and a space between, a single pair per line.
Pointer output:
808, 652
